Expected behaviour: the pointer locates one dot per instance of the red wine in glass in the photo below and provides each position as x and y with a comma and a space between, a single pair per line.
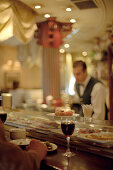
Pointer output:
3, 117
68, 126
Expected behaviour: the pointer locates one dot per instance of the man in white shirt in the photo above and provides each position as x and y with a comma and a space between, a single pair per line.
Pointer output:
89, 90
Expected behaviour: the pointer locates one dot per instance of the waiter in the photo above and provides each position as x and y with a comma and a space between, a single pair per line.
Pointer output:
89, 90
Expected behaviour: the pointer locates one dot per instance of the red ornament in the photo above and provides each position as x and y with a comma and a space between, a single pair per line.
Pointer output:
51, 33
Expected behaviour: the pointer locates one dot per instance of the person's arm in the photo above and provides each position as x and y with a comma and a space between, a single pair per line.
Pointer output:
38, 147
14, 158
36, 152
2, 132
98, 98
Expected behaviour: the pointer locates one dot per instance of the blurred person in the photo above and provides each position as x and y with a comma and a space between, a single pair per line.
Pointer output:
18, 95
12, 157
89, 90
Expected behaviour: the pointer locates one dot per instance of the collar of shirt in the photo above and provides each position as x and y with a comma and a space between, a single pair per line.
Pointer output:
86, 80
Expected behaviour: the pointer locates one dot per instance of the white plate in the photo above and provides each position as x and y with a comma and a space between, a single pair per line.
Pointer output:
107, 137
21, 142
52, 115
25, 142
54, 147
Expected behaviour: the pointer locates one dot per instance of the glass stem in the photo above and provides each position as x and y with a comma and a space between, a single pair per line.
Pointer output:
68, 144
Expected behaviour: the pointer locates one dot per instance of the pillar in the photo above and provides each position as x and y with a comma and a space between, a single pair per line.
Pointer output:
50, 35
51, 72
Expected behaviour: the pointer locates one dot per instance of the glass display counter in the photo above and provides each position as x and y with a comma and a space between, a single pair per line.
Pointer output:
95, 136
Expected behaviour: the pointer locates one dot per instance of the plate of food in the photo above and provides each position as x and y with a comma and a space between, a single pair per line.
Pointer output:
50, 146
25, 142
21, 142
88, 130
102, 137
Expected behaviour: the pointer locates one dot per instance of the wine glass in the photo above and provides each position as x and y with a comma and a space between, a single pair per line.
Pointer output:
68, 126
3, 115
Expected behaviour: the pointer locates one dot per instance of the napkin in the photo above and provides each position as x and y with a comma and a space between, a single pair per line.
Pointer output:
87, 110
49, 100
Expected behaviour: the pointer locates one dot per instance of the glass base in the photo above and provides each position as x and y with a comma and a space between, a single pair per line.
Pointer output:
87, 119
68, 154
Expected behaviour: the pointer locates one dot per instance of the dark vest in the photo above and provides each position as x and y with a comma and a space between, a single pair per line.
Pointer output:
86, 97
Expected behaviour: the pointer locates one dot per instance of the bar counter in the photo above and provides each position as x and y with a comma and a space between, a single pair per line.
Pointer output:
89, 154
81, 161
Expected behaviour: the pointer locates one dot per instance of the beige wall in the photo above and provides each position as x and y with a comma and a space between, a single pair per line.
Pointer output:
29, 77
6, 53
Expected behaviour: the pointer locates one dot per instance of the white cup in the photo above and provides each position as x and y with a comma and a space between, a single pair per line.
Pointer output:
49, 100
17, 133
7, 101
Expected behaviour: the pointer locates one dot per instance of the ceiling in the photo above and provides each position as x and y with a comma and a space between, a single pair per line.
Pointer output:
93, 19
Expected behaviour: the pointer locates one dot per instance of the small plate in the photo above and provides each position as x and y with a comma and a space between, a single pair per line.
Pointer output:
52, 115
54, 147
25, 142
21, 142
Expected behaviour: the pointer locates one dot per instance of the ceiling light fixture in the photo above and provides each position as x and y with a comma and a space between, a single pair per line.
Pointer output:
72, 20
84, 53
66, 45
38, 6
61, 50
68, 9
47, 15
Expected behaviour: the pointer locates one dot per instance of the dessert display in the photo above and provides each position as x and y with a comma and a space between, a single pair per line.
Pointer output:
60, 111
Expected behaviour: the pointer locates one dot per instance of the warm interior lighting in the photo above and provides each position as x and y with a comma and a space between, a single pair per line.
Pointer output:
9, 63
72, 20
71, 85
38, 6
84, 53
47, 15
68, 9
66, 45
62, 50
17, 64
12, 65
